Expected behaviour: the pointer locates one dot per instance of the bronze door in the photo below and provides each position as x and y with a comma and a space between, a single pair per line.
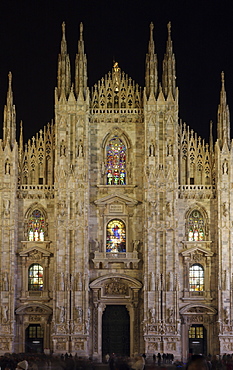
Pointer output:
34, 339
197, 339
116, 331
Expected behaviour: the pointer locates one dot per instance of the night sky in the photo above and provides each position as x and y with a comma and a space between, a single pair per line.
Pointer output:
30, 36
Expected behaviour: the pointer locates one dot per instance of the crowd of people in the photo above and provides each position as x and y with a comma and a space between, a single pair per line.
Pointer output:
113, 362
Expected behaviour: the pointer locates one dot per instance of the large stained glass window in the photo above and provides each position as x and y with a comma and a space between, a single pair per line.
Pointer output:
115, 240
36, 226
35, 277
116, 162
195, 226
196, 278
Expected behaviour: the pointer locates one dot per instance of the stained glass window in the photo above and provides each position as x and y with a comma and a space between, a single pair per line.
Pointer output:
115, 240
116, 162
196, 278
35, 277
195, 226
36, 226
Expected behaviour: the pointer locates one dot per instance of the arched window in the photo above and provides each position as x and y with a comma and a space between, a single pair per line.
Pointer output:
196, 278
35, 277
36, 226
116, 162
116, 237
196, 226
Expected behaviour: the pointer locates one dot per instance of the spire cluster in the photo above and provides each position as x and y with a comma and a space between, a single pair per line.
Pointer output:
64, 86
168, 75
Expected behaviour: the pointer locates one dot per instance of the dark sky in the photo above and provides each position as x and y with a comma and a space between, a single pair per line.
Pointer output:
30, 35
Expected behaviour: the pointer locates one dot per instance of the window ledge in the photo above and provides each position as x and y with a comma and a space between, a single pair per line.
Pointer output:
32, 295
106, 260
116, 186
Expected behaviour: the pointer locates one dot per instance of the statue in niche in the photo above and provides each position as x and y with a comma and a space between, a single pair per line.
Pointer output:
79, 314
62, 149
61, 207
79, 281
97, 245
151, 150
6, 206
5, 283
4, 314
62, 314
152, 315
169, 148
79, 208
171, 313
136, 245
80, 150
7, 167
225, 167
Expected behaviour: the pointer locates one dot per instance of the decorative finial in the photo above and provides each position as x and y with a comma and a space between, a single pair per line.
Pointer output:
222, 77
10, 77
169, 28
81, 30
151, 29
63, 27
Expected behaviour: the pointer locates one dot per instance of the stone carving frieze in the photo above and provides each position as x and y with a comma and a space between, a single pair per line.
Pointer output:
4, 345
116, 288
35, 255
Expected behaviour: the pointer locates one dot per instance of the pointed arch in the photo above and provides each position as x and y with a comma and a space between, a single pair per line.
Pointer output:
35, 223
197, 224
116, 153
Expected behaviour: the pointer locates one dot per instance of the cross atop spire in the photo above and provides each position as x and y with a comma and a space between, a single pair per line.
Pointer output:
9, 124
169, 73
81, 66
151, 66
223, 127
63, 75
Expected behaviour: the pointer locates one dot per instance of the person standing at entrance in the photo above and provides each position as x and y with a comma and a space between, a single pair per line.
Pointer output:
22, 365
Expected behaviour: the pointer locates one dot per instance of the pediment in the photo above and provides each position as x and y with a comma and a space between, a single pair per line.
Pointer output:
117, 279
114, 199
198, 309
196, 252
34, 309
35, 253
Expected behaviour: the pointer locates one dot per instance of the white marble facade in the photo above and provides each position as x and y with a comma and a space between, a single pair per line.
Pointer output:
171, 176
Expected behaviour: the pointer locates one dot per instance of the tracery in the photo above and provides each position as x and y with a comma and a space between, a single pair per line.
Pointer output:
116, 162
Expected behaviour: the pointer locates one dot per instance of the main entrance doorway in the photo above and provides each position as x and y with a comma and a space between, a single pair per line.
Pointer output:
34, 339
116, 330
197, 340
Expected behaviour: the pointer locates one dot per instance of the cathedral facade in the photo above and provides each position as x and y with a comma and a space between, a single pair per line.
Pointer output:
115, 230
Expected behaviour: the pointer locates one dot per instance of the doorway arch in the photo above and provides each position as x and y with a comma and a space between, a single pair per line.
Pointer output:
116, 330
116, 290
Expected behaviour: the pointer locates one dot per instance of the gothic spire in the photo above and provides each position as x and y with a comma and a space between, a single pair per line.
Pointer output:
151, 67
9, 121
63, 75
223, 126
169, 72
81, 67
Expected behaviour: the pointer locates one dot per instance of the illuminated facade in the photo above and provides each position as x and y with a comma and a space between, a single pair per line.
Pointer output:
116, 221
